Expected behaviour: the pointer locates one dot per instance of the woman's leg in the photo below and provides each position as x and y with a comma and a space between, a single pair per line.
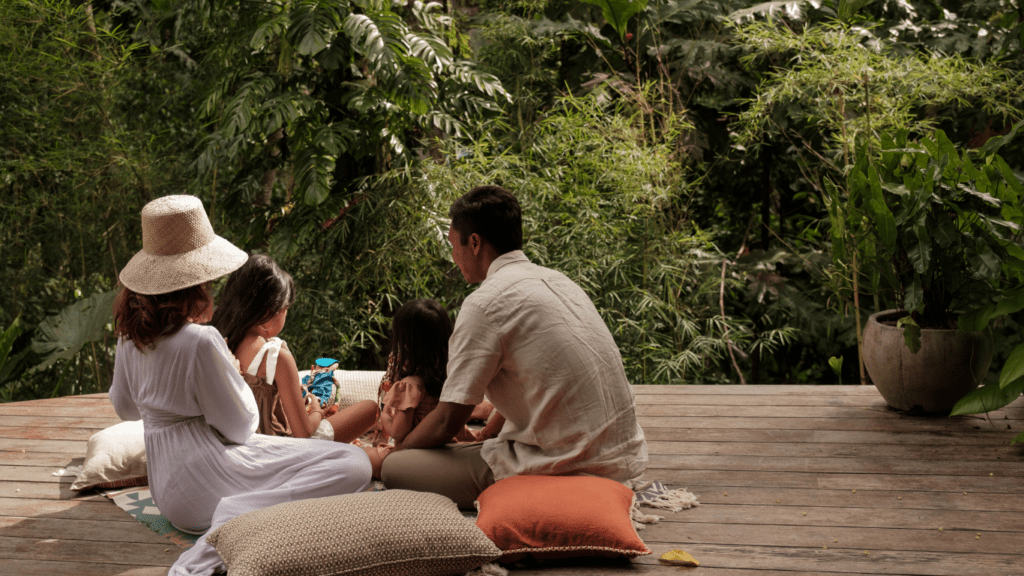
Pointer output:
354, 421
344, 470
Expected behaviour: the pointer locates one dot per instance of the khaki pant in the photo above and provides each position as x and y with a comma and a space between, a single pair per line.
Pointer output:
456, 471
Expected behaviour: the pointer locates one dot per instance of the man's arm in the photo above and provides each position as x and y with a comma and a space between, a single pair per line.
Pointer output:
439, 427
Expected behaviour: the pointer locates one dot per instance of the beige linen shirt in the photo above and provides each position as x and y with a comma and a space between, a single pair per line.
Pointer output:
533, 342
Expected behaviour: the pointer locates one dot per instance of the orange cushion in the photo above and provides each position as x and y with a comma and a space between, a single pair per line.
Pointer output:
559, 517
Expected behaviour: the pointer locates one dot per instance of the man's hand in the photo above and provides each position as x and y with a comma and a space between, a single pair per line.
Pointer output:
439, 427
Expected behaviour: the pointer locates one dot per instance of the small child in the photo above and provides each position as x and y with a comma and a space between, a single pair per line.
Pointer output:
417, 369
252, 312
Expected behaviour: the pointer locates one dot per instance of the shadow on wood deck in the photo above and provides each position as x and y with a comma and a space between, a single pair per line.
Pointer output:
793, 480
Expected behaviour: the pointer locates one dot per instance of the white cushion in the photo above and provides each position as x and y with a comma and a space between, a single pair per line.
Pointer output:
114, 458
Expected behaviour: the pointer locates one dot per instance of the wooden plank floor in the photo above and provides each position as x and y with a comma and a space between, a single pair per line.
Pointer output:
794, 480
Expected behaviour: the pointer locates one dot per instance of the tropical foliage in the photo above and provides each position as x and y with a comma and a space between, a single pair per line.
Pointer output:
678, 158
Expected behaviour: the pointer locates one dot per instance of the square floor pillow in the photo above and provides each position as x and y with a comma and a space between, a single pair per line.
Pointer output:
353, 386
559, 517
389, 533
114, 458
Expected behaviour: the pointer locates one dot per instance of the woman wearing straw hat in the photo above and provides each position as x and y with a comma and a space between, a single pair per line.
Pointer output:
205, 463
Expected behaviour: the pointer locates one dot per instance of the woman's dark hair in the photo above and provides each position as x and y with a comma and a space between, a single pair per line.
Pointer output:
419, 343
493, 213
144, 318
252, 295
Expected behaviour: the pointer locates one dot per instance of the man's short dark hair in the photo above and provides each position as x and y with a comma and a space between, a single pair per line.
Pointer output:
493, 213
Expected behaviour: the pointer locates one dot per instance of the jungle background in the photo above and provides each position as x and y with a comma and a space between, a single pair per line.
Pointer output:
671, 156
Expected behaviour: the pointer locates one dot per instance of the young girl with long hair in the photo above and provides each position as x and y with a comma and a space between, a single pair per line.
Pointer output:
252, 312
417, 369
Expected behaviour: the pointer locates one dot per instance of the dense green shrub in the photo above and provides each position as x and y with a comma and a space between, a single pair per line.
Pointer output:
79, 158
601, 204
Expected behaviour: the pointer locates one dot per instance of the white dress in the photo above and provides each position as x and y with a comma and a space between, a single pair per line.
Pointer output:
205, 463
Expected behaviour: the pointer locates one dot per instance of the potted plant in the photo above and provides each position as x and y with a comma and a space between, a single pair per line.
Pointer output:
936, 232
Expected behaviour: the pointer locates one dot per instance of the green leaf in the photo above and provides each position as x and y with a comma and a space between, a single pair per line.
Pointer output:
943, 230
993, 144
848, 8
315, 171
988, 398
60, 337
983, 196
1011, 304
930, 146
885, 223
913, 295
976, 320
969, 170
334, 57
950, 161
1013, 369
897, 189
7, 339
836, 362
1012, 213
618, 12
1018, 438
920, 254
268, 31
313, 25
911, 333
1011, 179
984, 261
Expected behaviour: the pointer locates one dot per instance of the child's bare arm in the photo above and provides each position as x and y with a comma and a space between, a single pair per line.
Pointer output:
401, 424
437, 428
492, 428
299, 414
400, 406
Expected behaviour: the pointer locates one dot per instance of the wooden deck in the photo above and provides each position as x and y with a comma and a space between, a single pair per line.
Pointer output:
793, 480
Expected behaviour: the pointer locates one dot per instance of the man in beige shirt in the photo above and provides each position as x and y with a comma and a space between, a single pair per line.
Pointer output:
532, 341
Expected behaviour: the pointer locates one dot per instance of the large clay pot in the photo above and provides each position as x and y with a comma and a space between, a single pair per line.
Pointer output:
949, 364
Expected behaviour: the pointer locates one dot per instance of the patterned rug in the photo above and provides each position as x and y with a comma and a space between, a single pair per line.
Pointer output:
138, 503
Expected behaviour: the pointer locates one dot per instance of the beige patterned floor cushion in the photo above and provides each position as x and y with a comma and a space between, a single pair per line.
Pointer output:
394, 532
353, 386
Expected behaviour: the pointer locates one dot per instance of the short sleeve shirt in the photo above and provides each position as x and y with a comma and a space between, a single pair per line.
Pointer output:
532, 341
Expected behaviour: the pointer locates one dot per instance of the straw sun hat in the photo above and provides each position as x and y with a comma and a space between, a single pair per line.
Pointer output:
179, 248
